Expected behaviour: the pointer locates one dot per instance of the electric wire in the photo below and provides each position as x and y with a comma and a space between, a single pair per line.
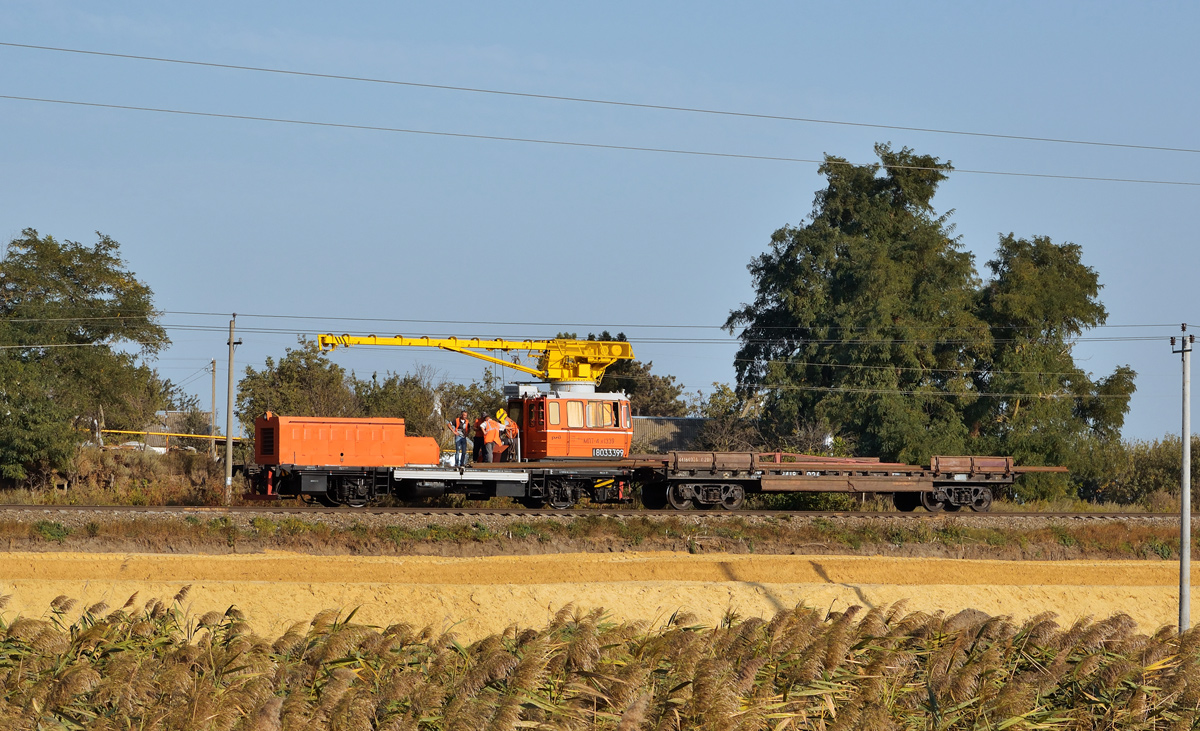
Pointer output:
514, 323
191, 378
731, 340
590, 145
608, 102
769, 387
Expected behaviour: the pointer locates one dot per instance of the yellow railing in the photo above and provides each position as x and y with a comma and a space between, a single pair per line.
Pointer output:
168, 435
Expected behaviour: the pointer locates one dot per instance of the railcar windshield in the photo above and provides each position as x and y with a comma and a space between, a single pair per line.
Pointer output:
601, 414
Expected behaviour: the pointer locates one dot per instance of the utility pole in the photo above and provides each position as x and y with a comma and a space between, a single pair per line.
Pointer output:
212, 416
1185, 484
229, 419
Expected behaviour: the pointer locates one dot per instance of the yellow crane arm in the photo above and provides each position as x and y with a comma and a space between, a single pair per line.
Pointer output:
558, 360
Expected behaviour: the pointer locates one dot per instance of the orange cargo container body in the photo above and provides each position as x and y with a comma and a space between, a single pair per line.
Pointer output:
318, 441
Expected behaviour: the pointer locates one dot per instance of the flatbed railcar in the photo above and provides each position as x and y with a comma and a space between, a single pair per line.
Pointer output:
354, 461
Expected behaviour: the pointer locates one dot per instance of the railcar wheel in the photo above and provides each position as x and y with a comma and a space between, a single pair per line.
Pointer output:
906, 502
930, 502
654, 495
676, 499
732, 497
982, 500
561, 496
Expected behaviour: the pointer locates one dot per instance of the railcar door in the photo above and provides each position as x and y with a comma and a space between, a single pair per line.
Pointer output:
576, 435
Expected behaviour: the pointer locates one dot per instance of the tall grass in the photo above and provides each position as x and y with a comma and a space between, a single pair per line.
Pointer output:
157, 667
117, 477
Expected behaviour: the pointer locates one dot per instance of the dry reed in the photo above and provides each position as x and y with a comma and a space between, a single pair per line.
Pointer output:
155, 666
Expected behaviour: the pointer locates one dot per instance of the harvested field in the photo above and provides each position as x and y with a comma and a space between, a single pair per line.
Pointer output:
483, 595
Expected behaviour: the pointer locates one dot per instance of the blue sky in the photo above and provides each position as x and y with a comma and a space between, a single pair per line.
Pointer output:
222, 215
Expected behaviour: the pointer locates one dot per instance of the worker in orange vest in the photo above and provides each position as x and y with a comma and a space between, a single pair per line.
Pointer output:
461, 428
491, 438
508, 435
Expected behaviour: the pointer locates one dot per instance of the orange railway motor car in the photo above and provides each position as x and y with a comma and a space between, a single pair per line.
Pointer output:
569, 424
334, 460
575, 443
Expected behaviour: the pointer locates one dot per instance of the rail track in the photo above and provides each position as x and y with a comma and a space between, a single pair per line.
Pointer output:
517, 512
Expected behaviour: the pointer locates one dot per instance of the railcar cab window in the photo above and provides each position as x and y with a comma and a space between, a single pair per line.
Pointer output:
601, 414
574, 414
555, 418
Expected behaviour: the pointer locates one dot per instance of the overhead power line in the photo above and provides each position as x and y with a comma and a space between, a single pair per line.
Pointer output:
944, 394
607, 102
663, 340
514, 323
589, 145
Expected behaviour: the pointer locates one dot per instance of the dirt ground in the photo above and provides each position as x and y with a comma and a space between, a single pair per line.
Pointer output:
480, 595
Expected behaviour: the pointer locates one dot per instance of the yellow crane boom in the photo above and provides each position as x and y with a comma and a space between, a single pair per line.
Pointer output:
557, 360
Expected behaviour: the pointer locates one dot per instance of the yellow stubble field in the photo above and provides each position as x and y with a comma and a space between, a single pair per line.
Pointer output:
481, 595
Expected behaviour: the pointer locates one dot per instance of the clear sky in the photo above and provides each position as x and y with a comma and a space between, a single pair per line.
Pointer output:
223, 215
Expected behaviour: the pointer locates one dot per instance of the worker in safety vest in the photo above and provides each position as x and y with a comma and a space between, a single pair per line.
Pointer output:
477, 449
491, 438
461, 429
508, 435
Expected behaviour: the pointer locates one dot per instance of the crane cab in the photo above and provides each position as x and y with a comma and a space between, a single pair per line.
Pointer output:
564, 424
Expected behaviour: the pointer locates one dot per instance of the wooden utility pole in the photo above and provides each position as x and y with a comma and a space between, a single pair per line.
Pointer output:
229, 419
212, 416
1185, 485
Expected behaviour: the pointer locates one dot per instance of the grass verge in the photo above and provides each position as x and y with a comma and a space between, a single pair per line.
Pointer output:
964, 537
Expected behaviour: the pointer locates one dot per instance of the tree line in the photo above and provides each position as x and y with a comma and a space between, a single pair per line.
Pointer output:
872, 331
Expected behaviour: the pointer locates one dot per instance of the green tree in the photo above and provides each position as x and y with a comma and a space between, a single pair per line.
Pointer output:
477, 397
730, 424
413, 397
1040, 298
649, 394
304, 382
76, 326
864, 317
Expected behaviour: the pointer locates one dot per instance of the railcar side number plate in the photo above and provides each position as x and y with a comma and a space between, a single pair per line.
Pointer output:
608, 452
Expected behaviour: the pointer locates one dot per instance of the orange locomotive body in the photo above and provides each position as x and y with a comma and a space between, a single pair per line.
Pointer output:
310, 440
334, 461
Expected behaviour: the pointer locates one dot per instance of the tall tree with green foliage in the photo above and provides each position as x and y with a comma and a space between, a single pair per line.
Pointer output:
75, 326
1044, 406
864, 317
872, 320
